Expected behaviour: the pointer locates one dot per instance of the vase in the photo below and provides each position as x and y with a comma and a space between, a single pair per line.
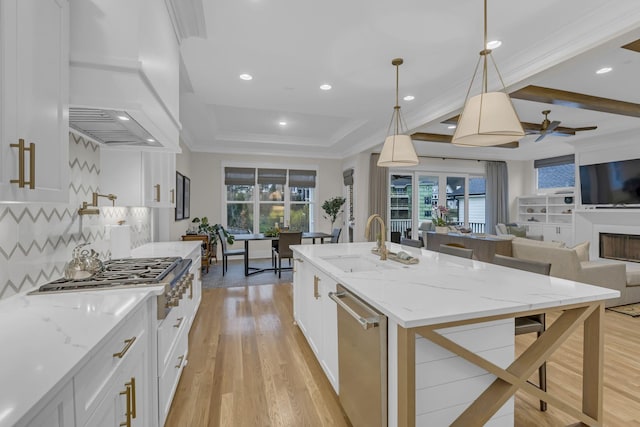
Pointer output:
442, 229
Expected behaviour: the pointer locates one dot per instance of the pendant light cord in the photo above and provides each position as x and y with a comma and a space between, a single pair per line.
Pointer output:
397, 107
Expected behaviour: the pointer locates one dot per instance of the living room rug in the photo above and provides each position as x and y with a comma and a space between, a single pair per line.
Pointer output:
629, 309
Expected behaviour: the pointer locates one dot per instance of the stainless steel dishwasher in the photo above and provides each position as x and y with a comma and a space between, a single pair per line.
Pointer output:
362, 360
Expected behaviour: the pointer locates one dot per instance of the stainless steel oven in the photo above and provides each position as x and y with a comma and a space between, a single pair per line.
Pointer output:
362, 360
172, 272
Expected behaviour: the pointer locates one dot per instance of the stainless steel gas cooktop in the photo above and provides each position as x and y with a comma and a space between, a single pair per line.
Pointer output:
126, 272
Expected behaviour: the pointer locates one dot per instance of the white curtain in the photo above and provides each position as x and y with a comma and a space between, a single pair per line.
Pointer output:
496, 207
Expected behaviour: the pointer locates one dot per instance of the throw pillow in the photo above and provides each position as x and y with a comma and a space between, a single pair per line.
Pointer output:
582, 250
517, 231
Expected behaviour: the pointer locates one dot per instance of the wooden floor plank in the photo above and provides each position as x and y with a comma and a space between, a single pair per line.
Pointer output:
249, 365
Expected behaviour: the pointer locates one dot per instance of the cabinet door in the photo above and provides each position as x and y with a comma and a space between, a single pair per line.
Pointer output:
559, 233
159, 179
308, 285
127, 402
329, 332
34, 93
58, 412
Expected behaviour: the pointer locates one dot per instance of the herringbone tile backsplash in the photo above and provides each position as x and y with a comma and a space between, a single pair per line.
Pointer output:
36, 240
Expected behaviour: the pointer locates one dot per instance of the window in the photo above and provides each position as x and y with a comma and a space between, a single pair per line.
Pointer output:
258, 199
555, 172
464, 196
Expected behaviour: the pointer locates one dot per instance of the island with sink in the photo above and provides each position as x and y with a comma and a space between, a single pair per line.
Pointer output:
449, 339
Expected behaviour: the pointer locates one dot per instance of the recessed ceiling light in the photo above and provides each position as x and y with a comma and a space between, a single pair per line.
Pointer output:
282, 123
451, 127
123, 118
409, 98
604, 70
494, 44
151, 140
246, 76
325, 87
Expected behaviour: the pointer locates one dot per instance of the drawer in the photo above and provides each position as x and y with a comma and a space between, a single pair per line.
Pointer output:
169, 331
168, 380
94, 379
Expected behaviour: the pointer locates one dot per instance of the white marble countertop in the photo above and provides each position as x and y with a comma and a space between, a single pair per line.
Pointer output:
443, 288
165, 249
54, 334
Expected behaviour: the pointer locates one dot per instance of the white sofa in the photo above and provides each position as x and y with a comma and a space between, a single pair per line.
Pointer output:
573, 264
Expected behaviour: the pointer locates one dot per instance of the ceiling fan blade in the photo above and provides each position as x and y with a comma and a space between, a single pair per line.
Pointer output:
541, 137
585, 128
554, 124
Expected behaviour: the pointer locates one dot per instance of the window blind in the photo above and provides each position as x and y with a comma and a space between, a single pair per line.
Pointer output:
239, 176
272, 176
554, 161
302, 178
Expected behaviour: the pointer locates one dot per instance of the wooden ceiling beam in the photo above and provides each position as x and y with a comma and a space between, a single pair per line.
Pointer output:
438, 137
576, 100
634, 46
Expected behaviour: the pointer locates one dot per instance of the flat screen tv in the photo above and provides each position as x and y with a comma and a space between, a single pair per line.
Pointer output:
612, 183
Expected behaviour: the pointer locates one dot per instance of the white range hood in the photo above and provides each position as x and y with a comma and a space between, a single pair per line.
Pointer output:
124, 63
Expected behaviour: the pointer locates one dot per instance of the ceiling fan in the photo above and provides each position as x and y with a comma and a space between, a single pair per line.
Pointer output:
548, 127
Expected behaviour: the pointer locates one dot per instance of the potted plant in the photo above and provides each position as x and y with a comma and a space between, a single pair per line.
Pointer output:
332, 208
440, 218
202, 226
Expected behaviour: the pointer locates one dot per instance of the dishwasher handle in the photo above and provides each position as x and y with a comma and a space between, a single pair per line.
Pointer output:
365, 322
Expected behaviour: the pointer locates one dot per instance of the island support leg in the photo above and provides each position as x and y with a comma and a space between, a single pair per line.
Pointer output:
593, 364
406, 377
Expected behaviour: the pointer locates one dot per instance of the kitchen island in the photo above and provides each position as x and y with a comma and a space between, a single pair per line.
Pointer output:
450, 316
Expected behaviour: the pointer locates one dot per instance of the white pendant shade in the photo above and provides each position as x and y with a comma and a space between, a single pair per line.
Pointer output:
398, 151
488, 119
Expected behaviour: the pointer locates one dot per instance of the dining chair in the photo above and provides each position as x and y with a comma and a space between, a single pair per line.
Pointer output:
457, 250
411, 242
335, 235
534, 323
283, 250
226, 252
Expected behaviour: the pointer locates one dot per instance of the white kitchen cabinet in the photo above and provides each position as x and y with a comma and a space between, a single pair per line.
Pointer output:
58, 412
559, 233
113, 386
139, 178
159, 184
34, 98
316, 315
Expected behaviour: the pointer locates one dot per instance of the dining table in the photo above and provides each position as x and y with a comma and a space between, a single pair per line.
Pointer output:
250, 237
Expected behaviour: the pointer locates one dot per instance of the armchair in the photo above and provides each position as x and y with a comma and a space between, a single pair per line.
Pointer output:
513, 230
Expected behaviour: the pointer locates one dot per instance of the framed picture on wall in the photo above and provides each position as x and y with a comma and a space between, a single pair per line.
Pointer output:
179, 196
187, 198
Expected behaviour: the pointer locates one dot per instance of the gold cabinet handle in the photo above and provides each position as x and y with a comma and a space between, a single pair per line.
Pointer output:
173, 195
132, 385
32, 165
179, 319
127, 344
180, 360
127, 394
316, 293
157, 187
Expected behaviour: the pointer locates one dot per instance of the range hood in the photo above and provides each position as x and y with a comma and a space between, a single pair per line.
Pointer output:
118, 71
110, 127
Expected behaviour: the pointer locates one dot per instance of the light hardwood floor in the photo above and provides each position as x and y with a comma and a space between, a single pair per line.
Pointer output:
250, 366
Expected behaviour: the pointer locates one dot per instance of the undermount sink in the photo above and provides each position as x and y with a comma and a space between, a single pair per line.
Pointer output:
357, 263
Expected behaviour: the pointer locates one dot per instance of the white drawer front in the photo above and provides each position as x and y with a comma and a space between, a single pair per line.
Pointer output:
168, 381
168, 333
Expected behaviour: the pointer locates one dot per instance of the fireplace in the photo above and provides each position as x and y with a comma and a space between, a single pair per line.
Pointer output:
623, 247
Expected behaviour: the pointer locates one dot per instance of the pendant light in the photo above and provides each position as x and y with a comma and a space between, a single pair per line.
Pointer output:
398, 148
488, 118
